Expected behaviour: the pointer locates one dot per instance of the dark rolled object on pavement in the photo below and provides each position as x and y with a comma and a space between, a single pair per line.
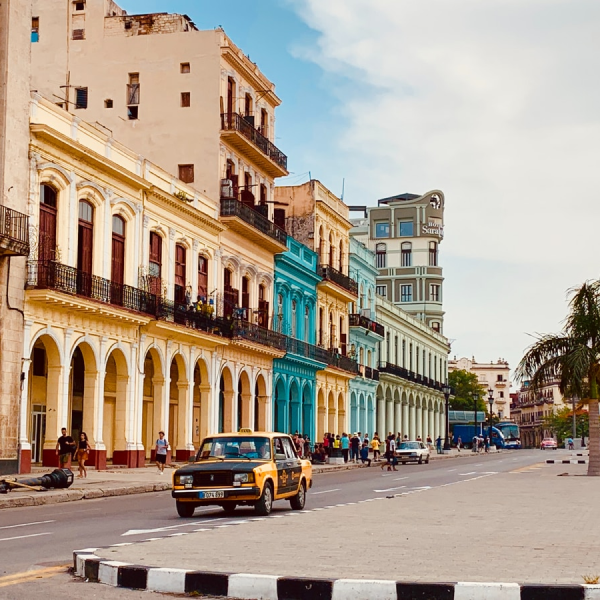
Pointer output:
59, 479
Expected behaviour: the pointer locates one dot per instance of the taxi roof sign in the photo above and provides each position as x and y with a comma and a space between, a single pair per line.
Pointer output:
245, 430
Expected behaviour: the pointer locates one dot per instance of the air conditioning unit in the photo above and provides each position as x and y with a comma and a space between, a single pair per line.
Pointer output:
226, 188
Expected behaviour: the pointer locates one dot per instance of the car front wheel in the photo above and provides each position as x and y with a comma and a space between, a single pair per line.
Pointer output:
185, 509
420, 461
427, 460
265, 503
298, 501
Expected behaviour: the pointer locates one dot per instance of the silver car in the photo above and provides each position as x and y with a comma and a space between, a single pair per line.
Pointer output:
413, 451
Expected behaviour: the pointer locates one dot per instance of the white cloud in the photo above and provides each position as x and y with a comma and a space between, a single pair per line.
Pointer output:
496, 103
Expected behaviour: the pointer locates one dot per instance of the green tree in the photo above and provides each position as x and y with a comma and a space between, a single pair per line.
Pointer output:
573, 358
464, 386
560, 423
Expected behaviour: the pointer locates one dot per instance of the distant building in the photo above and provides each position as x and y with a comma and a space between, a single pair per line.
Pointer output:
405, 232
492, 375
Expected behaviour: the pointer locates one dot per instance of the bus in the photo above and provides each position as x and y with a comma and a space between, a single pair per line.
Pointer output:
511, 433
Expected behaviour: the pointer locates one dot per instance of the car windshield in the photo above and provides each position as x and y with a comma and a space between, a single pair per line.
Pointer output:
249, 447
409, 446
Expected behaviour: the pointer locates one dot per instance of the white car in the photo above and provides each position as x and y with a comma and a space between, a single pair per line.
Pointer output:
413, 451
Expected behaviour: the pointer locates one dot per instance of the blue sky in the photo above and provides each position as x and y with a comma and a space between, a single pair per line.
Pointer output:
493, 102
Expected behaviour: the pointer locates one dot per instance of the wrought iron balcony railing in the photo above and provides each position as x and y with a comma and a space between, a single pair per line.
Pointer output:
14, 231
183, 314
342, 280
230, 207
360, 321
253, 333
69, 280
392, 369
236, 122
330, 358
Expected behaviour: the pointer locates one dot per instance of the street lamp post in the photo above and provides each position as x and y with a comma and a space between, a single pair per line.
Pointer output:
491, 401
446, 389
475, 401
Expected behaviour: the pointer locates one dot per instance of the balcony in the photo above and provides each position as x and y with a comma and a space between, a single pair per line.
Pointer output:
319, 354
43, 275
392, 369
365, 323
259, 335
253, 226
239, 132
14, 232
338, 284
185, 315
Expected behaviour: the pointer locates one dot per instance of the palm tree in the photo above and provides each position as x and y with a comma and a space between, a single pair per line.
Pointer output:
573, 358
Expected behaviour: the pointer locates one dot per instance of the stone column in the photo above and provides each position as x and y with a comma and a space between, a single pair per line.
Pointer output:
389, 417
405, 423
381, 418
184, 448
413, 422
24, 419
398, 424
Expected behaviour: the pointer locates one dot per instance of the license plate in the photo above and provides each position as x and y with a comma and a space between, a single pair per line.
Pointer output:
209, 495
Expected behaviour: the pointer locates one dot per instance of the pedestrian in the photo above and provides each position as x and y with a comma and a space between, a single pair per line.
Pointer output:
438, 444
487, 443
326, 443
337, 442
375, 444
419, 438
65, 445
458, 443
161, 452
318, 456
429, 442
300, 446
366, 439
364, 455
355, 447
345, 445
583, 440
83, 453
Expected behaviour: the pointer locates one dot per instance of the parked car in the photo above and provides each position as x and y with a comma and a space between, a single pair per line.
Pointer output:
246, 468
549, 444
413, 451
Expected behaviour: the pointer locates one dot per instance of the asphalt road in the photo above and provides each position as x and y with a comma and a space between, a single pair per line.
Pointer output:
45, 536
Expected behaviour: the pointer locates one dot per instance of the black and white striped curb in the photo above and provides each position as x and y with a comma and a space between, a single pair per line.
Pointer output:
567, 461
271, 587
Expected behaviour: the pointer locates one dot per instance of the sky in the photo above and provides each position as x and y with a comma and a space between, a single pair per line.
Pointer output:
494, 102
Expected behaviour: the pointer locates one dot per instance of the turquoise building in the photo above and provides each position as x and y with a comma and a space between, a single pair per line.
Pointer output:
294, 314
365, 335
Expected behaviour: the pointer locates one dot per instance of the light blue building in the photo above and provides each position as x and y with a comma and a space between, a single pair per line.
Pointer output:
294, 314
365, 335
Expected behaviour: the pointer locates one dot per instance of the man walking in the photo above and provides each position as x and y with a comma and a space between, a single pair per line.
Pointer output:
354, 447
64, 448
345, 445
161, 452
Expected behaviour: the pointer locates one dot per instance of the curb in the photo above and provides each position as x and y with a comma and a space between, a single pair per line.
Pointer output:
73, 495
552, 461
271, 587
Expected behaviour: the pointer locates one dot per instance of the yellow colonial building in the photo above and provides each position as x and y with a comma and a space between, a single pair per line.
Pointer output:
317, 218
132, 322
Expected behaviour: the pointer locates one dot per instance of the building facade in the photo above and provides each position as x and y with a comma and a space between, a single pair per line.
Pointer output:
191, 100
130, 322
413, 366
365, 336
295, 374
15, 18
492, 375
405, 232
317, 218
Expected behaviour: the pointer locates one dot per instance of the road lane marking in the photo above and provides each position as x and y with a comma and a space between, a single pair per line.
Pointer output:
450, 470
471, 473
27, 576
169, 527
389, 489
400, 478
20, 537
324, 492
27, 524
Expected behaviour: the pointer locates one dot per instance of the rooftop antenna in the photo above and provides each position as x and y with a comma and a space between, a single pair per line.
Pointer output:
343, 186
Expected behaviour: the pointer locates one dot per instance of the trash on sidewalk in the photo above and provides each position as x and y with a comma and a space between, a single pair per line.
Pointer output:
58, 479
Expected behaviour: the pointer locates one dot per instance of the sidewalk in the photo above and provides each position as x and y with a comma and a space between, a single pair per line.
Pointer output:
524, 526
119, 481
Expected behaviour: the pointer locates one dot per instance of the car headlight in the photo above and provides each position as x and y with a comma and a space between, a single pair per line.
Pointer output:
185, 480
243, 478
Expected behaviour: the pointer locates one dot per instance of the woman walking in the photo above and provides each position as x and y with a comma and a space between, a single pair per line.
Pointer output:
83, 449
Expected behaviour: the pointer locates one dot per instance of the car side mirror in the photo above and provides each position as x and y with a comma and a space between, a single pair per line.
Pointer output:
280, 457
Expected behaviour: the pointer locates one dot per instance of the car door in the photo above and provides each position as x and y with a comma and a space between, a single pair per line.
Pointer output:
283, 470
293, 465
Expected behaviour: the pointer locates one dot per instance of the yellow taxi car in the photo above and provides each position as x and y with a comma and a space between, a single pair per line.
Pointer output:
246, 468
